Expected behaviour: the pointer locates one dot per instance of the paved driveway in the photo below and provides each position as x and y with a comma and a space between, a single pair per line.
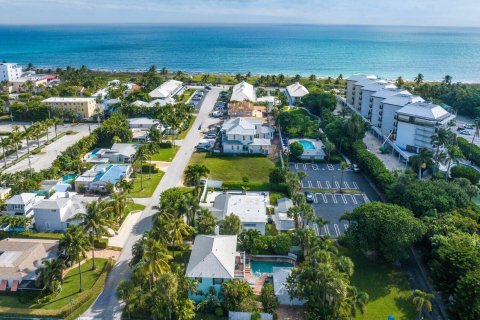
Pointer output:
107, 305
325, 182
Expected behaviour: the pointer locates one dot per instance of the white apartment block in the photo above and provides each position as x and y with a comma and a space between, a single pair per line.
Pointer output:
406, 121
10, 71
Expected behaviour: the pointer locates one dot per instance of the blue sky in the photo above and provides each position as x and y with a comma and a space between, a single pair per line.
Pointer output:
370, 12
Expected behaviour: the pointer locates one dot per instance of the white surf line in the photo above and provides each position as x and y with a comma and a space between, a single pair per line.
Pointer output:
355, 185
325, 227
337, 230
328, 185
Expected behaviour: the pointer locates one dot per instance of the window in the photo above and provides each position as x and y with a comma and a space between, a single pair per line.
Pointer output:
217, 281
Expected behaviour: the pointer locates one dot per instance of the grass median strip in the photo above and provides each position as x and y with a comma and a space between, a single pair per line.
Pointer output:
149, 185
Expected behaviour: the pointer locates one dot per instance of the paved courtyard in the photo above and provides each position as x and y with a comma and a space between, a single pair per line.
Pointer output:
324, 181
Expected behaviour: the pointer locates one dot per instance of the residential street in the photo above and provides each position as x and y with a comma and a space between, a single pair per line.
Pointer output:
107, 305
50, 153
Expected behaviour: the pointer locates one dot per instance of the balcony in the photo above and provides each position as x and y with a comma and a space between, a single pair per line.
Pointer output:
240, 266
381, 112
395, 124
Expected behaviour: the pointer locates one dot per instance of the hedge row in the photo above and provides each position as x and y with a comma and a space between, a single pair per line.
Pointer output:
256, 186
469, 150
372, 166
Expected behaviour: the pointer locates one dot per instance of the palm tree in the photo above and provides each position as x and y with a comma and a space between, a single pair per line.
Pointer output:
38, 129
178, 230
95, 222
476, 123
5, 143
329, 147
422, 160
344, 167
51, 271
75, 244
132, 295
141, 156
48, 123
294, 212
447, 79
28, 134
154, 259
189, 207
356, 300
118, 205
125, 185
399, 82
16, 138
193, 174
454, 154
418, 79
56, 122
422, 300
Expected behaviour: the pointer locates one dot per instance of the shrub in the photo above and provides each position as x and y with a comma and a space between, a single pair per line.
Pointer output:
245, 179
277, 175
296, 150
465, 172
256, 186
149, 168
471, 151
100, 243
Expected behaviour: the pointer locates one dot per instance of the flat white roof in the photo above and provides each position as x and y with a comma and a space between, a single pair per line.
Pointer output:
425, 110
166, 89
68, 99
402, 99
249, 207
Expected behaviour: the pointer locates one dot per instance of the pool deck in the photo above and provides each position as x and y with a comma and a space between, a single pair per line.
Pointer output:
258, 283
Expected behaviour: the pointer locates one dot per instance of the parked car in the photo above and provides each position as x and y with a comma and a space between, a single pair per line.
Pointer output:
355, 168
468, 126
210, 136
308, 197
217, 114
208, 88
465, 133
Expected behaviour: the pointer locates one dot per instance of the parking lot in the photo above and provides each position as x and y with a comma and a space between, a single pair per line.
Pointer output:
324, 181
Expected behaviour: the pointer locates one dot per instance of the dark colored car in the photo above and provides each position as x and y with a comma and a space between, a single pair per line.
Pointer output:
309, 197
355, 168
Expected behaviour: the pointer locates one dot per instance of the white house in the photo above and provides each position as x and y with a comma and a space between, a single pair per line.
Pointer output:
118, 153
20, 260
97, 178
154, 103
167, 90
243, 91
417, 122
22, 204
295, 92
142, 123
4, 192
56, 212
250, 207
214, 259
246, 135
280, 276
282, 221
10, 72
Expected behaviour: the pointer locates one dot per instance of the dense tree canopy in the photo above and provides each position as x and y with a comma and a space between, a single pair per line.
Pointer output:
319, 102
386, 228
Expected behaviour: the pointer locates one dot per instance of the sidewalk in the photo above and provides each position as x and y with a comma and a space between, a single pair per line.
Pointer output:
125, 230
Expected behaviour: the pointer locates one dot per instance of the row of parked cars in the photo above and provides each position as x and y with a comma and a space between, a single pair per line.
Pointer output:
464, 130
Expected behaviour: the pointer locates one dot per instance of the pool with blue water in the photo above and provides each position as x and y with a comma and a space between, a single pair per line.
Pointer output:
307, 145
259, 268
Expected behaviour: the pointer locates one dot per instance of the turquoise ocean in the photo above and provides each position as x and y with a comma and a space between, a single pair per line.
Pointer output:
260, 49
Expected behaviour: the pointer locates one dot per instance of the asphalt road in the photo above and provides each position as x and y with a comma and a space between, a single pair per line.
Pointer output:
107, 305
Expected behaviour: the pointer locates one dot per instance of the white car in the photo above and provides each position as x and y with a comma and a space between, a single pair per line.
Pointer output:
466, 133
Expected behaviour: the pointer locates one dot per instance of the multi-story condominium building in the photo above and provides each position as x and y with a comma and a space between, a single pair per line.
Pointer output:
10, 72
366, 94
385, 118
417, 122
375, 101
352, 95
82, 107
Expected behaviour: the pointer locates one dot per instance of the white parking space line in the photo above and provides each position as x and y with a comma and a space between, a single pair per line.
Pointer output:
360, 196
310, 185
353, 199
304, 166
346, 226
355, 185
323, 169
301, 182
341, 197
337, 185
346, 185
319, 185
330, 167
329, 186
325, 227
334, 198
315, 227
365, 198
296, 165
337, 229
324, 200
315, 198
314, 166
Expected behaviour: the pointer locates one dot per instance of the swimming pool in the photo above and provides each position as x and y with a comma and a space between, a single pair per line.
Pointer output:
69, 177
307, 145
259, 268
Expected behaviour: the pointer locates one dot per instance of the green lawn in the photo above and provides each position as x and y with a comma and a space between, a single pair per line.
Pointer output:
185, 95
226, 169
274, 196
69, 289
165, 154
386, 285
149, 185
132, 206
184, 133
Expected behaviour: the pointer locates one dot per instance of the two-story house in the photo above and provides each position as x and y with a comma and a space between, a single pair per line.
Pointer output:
246, 135
21, 204
214, 259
